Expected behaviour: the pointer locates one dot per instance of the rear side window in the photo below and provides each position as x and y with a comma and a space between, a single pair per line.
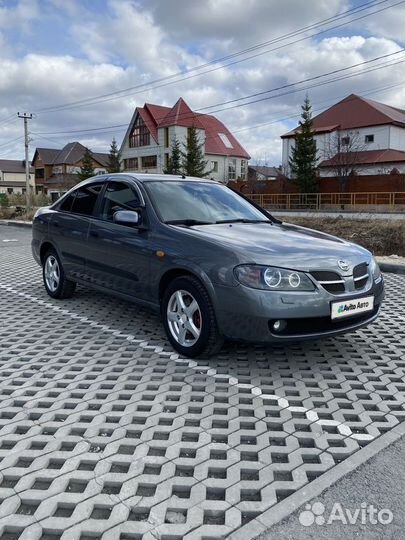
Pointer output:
85, 200
66, 204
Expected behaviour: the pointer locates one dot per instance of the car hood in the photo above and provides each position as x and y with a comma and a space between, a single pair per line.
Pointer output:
285, 245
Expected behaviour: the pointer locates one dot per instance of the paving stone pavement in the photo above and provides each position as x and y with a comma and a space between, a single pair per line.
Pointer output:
105, 433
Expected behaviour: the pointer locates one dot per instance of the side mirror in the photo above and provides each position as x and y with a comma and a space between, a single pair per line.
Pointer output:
130, 218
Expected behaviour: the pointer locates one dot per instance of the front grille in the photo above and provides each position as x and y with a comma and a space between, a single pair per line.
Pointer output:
330, 281
360, 275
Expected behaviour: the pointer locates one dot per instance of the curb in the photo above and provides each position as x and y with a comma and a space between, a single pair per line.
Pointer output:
284, 509
12, 223
392, 268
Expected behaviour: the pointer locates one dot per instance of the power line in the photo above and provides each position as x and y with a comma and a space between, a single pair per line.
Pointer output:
320, 107
147, 86
289, 85
12, 141
185, 116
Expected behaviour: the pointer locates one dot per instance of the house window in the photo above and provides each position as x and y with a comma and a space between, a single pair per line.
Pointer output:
131, 163
232, 169
140, 135
369, 139
166, 133
149, 162
101, 172
10, 190
39, 173
345, 141
243, 168
214, 166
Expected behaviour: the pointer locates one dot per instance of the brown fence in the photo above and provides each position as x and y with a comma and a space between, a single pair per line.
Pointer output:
331, 201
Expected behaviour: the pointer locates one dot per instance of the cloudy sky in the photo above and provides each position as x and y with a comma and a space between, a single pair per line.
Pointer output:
81, 65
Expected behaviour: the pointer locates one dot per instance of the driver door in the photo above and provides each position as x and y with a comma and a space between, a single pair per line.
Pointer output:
118, 255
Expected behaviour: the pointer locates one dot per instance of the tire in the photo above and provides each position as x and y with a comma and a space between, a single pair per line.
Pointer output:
205, 339
55, 281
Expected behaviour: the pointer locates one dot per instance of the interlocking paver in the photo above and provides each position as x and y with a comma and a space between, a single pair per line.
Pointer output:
106, 433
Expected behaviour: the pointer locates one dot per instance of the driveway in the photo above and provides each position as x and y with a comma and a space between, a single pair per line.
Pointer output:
107, 434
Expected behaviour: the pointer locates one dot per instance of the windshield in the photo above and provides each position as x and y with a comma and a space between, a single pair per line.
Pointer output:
200, 202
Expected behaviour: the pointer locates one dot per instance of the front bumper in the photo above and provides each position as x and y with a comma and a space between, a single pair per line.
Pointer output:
246, 314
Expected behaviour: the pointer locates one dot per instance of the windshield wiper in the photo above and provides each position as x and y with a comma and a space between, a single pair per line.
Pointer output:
244, 220
188, 222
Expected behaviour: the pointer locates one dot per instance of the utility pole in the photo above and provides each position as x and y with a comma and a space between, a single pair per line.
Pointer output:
28, 197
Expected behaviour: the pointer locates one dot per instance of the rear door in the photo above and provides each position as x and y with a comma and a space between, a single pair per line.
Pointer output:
118, 256
70, 225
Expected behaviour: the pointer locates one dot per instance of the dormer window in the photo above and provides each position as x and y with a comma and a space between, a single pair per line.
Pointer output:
140, 135
369, 139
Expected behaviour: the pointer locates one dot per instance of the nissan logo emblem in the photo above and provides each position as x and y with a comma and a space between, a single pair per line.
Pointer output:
343, 265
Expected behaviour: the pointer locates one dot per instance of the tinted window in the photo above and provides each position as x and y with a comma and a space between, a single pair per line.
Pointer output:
66, 204
86, 198
118, 196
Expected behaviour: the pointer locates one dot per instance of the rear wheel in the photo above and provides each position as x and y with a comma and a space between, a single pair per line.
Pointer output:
189, 318
55, 281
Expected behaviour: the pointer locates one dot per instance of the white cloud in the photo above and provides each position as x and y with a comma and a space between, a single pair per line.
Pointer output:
129, 44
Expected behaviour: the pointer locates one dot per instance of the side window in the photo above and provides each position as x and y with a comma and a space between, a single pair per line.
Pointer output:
86, 198
66, 204
118, 196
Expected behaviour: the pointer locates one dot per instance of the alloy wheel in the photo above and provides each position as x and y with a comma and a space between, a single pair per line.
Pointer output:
52, 273
184, 318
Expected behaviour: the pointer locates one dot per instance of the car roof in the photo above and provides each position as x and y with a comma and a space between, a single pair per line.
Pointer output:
151, 177
142, 178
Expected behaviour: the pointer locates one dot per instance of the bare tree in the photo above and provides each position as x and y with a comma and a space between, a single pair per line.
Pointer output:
342, 152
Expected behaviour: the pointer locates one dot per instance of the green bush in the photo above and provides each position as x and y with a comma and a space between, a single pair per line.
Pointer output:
4, 202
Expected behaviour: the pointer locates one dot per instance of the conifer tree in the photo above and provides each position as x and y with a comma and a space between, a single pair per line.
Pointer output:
304, 154
193, 162
87, 168
174, 163
114, 158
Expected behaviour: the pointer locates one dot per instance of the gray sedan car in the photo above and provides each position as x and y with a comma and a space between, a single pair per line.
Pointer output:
213, 263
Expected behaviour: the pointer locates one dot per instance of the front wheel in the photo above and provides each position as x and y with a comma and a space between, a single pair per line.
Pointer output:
55, 281
189, 318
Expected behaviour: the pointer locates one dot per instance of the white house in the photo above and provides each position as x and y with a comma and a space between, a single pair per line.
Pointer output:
12, 176
147, 143
358, 133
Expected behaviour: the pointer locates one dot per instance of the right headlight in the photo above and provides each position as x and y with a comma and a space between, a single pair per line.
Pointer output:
375, 270
272, 278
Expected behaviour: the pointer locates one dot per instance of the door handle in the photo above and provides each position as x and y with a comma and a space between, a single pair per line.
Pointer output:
94, 234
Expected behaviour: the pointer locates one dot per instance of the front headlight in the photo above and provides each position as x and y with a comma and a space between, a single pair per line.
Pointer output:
272, 278
375, 270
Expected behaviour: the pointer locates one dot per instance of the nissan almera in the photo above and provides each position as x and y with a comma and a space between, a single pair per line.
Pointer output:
215, 265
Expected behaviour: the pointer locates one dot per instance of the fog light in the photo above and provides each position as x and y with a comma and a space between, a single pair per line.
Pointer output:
279, 326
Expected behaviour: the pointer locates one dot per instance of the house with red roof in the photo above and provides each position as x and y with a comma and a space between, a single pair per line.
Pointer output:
56, 169
147, 143
359, 135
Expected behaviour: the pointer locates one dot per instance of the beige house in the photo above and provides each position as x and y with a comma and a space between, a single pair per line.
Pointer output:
12, 176
147, 144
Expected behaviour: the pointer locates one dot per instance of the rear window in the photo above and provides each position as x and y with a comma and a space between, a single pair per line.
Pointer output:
85, 200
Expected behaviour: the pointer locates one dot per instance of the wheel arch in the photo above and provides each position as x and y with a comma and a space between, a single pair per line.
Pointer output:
45, 247
174, 273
